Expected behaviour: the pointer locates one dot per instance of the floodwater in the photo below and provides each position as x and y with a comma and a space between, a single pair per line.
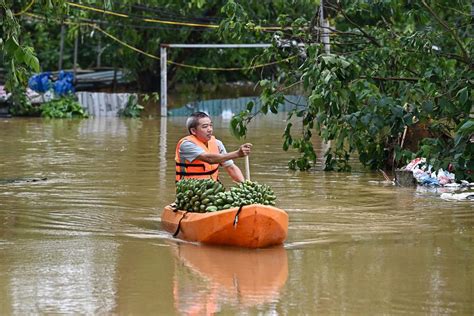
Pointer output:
85, 238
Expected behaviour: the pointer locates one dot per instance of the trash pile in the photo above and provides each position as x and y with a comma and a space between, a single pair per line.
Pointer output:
30, 94
424, 175
441, 181
469, 196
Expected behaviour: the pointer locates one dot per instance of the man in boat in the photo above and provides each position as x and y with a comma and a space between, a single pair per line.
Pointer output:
200, 154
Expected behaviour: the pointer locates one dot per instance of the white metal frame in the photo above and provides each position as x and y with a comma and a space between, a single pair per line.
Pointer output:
164, 58
164, 62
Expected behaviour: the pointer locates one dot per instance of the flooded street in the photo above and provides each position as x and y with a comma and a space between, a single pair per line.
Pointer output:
80, 205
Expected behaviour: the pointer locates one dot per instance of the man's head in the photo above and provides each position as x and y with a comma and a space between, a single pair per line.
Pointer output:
199, 124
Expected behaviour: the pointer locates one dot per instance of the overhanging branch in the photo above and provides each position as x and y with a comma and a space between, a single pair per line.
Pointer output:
450, 30
367, 35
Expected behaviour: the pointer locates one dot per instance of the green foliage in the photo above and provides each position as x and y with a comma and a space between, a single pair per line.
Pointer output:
66, 107
394, 66
19, 59
20, 105
154, 96
132, 109
44, 34
460, 149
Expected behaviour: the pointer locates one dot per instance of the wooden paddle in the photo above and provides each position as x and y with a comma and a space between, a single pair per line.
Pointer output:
247, 168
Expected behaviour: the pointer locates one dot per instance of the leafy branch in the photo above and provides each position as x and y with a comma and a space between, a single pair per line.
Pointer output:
450, 30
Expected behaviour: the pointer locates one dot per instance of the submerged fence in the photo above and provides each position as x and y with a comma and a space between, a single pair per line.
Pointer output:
101, 104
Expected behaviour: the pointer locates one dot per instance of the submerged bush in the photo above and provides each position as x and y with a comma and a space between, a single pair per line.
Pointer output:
66, 107
132, 109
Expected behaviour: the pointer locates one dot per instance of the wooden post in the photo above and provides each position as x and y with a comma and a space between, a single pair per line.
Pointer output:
114, 81
247, 168
61, 47
76, 46
99, 51
163, 86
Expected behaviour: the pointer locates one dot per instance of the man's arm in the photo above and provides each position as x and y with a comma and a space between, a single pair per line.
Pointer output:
244, 150
235, 173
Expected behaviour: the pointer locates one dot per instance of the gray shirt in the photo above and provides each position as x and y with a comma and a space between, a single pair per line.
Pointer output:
190, 151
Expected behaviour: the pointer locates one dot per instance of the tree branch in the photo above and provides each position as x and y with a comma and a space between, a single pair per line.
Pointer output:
450, 30
392, 78
290, 86
367, 35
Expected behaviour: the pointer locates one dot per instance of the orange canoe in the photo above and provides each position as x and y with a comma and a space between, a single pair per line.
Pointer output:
258, 226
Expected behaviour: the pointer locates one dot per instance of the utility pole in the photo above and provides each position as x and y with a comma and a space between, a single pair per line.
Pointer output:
163, 77
324, 25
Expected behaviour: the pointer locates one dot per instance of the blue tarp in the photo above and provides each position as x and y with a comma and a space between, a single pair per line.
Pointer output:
64, 84
42, 83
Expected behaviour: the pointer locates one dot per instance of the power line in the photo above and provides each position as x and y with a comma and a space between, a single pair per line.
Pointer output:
94, 26
173, 14
153, 20
138, 26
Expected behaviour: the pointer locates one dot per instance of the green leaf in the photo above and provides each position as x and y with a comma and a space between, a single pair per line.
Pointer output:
19, 56
345, 63
427, 106
443, 104
467, 128
11, 46
316, 100
463, 95
250, 106
31, 60
397, 111
329, 59
366, 119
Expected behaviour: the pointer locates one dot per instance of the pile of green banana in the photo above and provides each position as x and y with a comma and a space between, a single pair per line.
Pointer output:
209, 196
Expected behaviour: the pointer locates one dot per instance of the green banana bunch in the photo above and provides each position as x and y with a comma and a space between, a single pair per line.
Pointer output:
209, 196
196, 195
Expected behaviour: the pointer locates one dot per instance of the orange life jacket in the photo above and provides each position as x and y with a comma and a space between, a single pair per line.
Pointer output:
197, 169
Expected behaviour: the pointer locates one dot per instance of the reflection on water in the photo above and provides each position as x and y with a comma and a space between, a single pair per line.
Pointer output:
87, 239
67, 276
227, 276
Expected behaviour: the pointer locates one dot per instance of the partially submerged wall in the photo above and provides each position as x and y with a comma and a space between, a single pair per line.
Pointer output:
101, 104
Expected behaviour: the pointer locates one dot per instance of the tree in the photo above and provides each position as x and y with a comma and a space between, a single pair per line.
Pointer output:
398, 83
121, 25
19, 59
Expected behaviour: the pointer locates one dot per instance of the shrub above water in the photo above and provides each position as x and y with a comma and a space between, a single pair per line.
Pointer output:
66, 107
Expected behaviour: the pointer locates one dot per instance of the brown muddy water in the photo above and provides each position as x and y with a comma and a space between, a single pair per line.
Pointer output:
86, 237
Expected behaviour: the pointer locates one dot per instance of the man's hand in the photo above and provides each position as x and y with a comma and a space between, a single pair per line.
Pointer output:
244, 149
